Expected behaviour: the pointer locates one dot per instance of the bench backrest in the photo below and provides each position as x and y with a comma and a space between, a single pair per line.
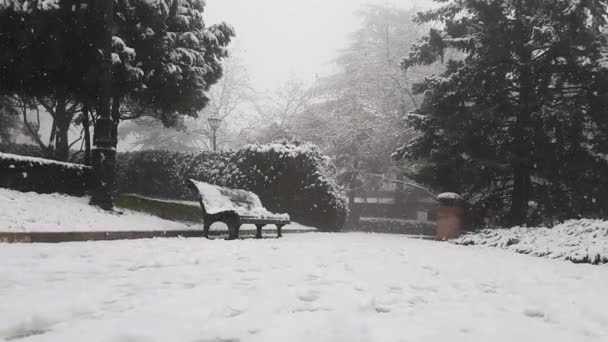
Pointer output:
216, 199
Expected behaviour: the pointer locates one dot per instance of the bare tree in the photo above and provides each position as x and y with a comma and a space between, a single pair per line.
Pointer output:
275, 115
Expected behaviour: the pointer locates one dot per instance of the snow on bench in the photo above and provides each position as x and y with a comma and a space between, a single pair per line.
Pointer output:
234, 207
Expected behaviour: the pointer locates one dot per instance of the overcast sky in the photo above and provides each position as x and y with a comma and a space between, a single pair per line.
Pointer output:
278, 38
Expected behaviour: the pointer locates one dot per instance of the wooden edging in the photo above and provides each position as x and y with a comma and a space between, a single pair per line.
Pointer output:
56, 237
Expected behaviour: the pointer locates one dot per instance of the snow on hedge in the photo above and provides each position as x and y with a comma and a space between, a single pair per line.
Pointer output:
39, 161
580, 241
43, 175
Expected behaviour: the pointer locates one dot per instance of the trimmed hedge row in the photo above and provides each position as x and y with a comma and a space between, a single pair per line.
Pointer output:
288, 177
43, 176
394, 226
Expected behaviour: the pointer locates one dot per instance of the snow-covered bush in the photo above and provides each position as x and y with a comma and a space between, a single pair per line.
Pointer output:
579, 241
294, 178
43, 175
288, 177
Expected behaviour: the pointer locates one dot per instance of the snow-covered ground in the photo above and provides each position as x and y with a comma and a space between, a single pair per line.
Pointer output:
576, 240
305, 287
31, 212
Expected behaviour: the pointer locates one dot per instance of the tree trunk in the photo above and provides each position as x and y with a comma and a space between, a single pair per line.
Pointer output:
63, 120
115, 117
87, 133
354, 182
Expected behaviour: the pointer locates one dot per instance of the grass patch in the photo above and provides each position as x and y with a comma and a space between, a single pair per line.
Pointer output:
165, 210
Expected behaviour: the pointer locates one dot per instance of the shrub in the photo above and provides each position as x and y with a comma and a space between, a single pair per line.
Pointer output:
293, 178
579, 241
288, 177
43, 176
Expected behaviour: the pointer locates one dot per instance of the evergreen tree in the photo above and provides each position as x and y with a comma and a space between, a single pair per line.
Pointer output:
44, 44
520, 120
179, 55
164, 59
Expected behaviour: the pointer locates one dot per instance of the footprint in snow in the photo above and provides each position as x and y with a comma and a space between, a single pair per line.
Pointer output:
360, 288
230, 312
312, 277
382, 309
534, 313
22, 334
309, 296
395, 289
31, 327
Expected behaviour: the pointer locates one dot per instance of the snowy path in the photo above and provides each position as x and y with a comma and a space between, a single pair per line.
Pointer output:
310, 287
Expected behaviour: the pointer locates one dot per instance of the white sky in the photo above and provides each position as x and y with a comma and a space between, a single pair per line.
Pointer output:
280, 38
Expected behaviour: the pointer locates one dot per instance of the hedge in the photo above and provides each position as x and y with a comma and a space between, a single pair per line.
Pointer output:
43, 175
289, 177
394, 226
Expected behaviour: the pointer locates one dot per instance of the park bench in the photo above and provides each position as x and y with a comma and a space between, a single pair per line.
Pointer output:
234, 207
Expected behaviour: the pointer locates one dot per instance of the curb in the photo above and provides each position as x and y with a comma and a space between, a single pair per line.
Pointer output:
57, 237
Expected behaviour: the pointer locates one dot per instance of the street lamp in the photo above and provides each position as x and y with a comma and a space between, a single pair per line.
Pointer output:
214, 123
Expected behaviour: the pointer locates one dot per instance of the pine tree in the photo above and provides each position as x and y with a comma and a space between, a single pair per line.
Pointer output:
517, 121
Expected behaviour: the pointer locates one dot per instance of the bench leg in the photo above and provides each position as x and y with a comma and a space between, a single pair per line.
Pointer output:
236, 231
233, 231
279, 231
206, 227
259, 227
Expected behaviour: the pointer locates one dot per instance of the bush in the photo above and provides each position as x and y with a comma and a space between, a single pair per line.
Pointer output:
43, 176
293, 178
288, 177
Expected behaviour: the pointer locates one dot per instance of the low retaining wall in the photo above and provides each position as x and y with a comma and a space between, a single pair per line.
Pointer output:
56, 237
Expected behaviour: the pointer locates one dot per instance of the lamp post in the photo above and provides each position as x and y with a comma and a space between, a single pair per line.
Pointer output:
214, 123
